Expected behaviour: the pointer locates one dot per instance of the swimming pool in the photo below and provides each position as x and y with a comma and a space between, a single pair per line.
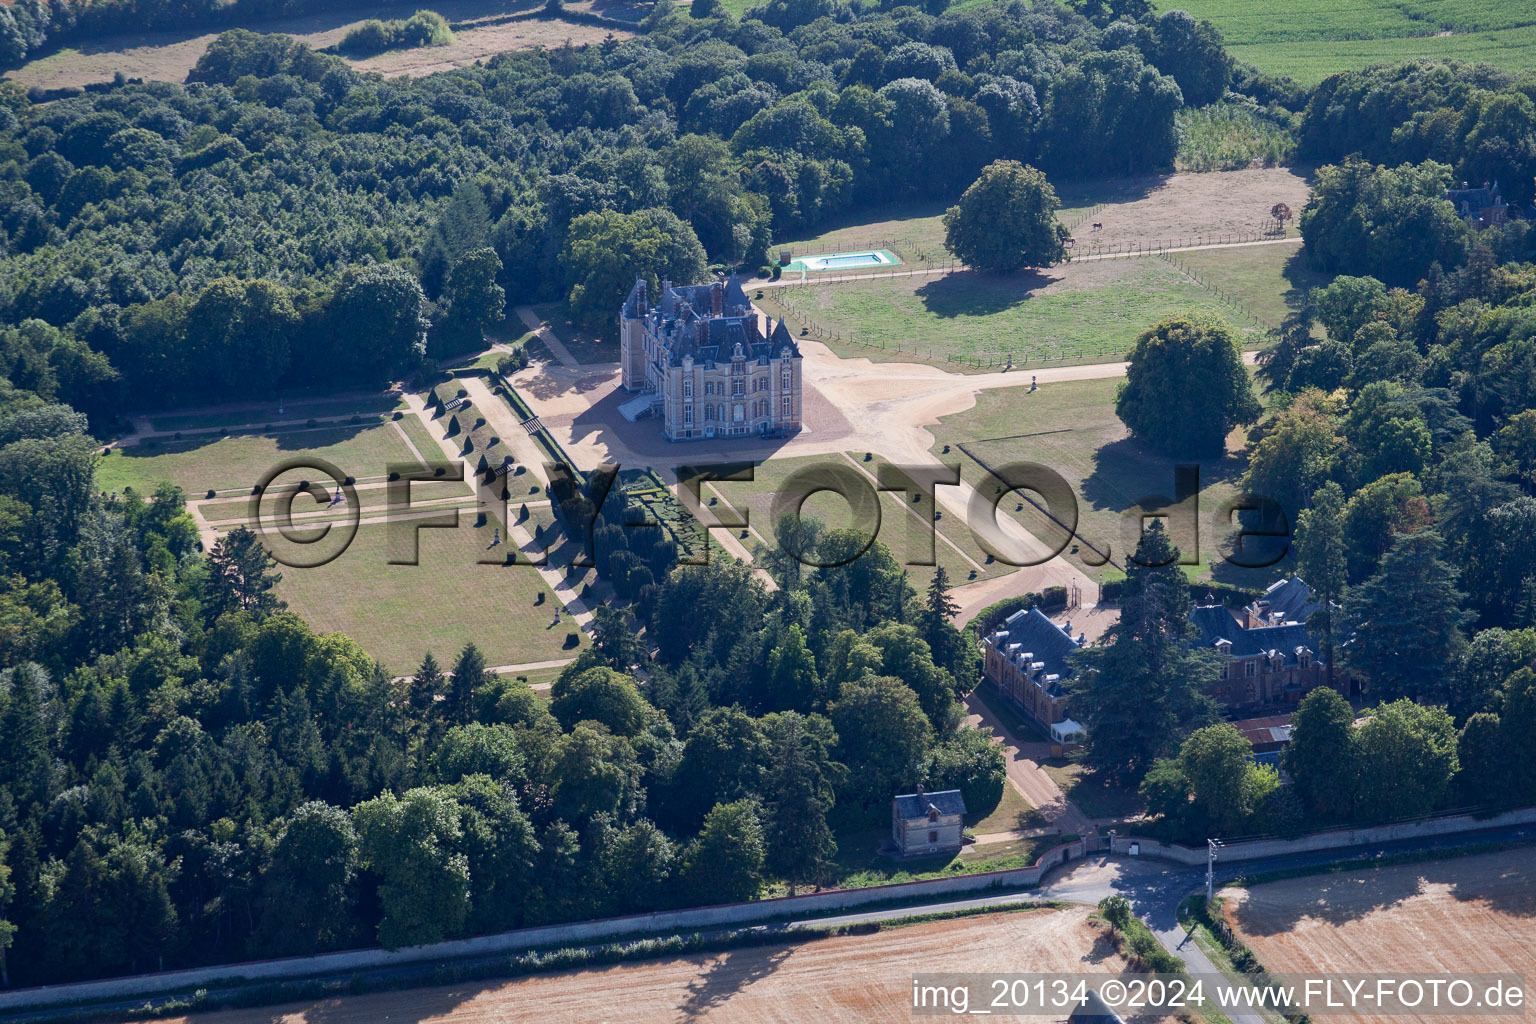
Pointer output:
846, 260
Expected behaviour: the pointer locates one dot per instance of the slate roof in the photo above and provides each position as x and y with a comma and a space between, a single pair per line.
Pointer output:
1038, 636
916, 805
1290, 599
684, 320
1474, 199
1216, 622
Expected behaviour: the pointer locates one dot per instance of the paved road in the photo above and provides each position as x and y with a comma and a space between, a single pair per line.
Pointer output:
1028, 778
1154, 890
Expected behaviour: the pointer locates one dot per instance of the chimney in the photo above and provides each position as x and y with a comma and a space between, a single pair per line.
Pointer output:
640, 305
717, 299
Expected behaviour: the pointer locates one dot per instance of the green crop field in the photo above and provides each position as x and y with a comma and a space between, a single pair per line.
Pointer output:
399, 612
1310, 41
1078, 313
219, 463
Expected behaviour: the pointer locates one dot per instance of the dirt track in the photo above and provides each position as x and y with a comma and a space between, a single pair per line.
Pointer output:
854, 979
1473, 914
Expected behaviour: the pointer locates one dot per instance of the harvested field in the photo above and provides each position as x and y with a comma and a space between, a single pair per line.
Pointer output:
845, 979
476, 44
168, 56
1180, 206
1470, 915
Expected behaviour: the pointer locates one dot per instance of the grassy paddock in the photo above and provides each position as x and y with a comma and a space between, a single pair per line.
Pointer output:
1075, 313
1109, 472
1269, 281
399, 612
195, 465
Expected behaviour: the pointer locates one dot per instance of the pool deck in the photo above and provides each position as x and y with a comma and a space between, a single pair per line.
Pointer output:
864, 260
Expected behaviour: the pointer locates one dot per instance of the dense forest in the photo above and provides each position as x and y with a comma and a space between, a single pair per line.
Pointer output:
129, 215
1401, 445
189, 773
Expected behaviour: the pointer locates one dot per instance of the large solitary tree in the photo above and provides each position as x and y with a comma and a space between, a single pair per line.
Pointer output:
1006, 220
1186, 386
1145, 688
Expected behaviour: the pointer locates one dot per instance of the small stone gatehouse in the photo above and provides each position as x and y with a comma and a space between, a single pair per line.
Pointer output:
924, 823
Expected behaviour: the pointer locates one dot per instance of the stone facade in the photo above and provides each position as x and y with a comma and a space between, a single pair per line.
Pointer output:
1268, 656
923, 823
710, 367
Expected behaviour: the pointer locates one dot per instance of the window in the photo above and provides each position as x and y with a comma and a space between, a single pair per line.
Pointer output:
1250, 669
709, 413
688, 415
785, 407
739, 414
738, 388
709, 388
687, 387
933, 837
786, 379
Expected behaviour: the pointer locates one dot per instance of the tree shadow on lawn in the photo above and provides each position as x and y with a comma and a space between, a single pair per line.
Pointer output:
294, 439
973, 293
1302, 278
1129, 473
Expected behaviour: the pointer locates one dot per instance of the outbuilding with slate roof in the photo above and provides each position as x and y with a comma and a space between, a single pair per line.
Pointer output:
1028, 659
924, 823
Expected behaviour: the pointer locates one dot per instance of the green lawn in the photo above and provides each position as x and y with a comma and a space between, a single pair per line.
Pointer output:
1309, 41
915, 230
1075, 313
1012, 812
1094, 795
1270, 281
1072, 428
954, 545
372, 499
399, 612
756, 499
858, 862
240, 461
292, 409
